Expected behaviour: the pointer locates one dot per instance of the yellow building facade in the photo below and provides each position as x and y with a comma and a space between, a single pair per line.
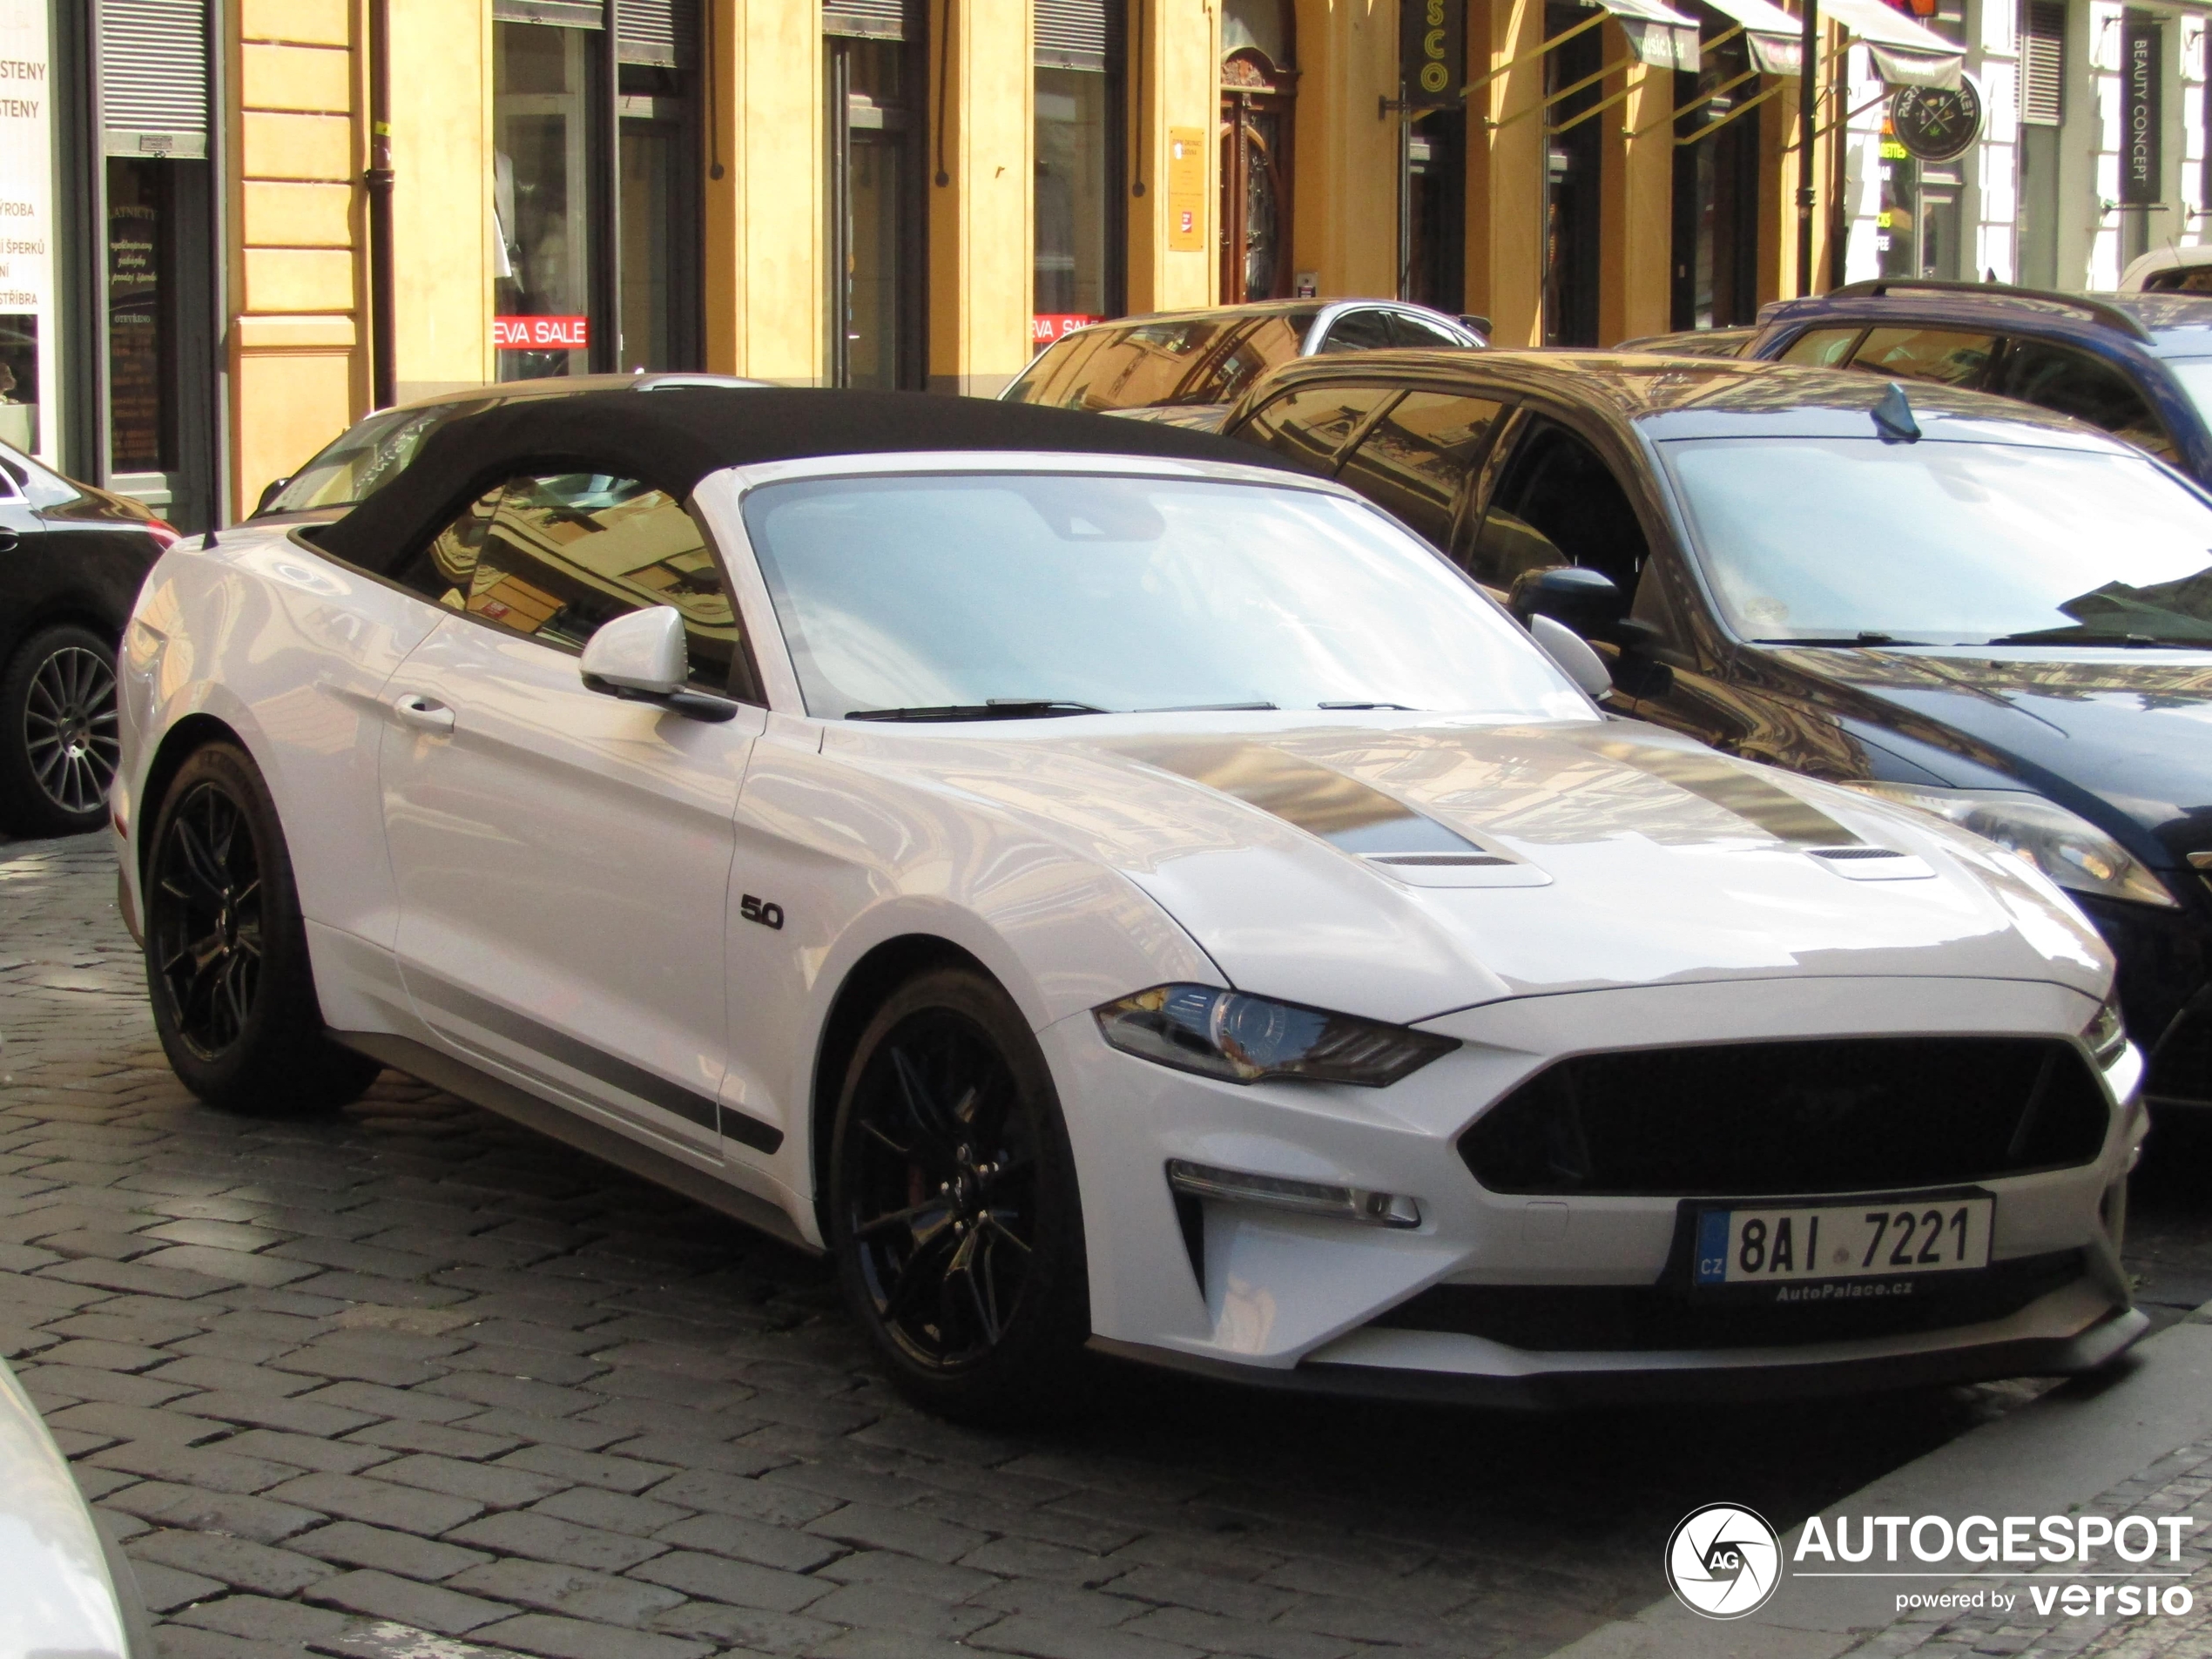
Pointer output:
910, 193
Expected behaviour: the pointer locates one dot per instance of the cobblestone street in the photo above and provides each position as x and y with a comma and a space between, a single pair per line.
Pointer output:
409, 1380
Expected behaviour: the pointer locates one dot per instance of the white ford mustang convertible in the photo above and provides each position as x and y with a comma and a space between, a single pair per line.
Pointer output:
1108, 895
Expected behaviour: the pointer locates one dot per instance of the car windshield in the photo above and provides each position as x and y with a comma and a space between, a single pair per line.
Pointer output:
369, 457
1945, 543
1035, 593
2194, 374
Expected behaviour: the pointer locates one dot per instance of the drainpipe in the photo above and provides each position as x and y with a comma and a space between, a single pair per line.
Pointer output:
1808, 95
382, 347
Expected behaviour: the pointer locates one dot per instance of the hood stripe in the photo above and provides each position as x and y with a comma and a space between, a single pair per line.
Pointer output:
1321, 801
1734, 789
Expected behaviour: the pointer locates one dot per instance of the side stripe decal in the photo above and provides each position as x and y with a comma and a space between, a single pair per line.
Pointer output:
635, 1081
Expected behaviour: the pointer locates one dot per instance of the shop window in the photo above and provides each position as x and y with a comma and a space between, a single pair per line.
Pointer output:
1078, 51
541, 175
659, 303
1573, 161
142, 336
1716, 185
876, 210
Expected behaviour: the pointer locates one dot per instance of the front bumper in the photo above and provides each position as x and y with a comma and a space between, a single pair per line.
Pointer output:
1318, 1301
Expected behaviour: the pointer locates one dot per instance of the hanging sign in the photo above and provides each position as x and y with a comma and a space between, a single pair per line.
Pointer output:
1432, 47
540, 333
1937, 123
2142, 40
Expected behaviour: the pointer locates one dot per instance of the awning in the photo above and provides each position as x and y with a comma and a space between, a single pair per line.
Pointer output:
1658, 34
1905, 53
1777, 39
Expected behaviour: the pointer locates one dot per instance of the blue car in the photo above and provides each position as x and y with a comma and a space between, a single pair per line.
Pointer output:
2138, 365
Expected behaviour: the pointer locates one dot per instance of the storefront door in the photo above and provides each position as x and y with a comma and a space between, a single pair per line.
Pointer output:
1572, 204
876, 315
542, 174
1255, 183
1716, 191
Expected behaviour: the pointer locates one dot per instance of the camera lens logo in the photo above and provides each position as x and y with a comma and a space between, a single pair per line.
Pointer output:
1723, 1561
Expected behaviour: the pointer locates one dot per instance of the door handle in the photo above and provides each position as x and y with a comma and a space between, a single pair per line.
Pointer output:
423, 714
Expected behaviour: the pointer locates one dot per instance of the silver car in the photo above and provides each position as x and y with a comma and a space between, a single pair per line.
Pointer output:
64, 1590
1186, 367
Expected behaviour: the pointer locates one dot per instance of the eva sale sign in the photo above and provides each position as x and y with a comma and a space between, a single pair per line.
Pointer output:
540, 333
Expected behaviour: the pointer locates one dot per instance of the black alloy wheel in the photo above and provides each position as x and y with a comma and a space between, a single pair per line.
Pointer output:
206, 941
59, 746
228, 967
952, 1205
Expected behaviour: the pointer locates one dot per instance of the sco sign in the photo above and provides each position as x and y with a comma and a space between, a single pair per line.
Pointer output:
1432, 51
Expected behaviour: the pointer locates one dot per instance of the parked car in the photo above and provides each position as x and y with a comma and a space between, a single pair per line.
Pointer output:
66, 1588
71, 559
1970, 605
1186, 367
2139, 365
1103, 892
1695, 342
2169, 270
375, 450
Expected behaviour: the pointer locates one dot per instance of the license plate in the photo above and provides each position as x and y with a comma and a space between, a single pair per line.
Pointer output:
1871, 1238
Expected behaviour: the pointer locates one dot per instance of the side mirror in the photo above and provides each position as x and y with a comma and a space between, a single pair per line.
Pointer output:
1572, 652
270, 491
1480, 324
642, 651
1584, 600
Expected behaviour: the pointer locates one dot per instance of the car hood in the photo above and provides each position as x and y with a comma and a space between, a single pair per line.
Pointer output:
2130, 728
1405, 870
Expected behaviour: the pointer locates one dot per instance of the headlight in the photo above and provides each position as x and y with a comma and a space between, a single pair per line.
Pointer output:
2070, 850
2105, 1034
1243, 1039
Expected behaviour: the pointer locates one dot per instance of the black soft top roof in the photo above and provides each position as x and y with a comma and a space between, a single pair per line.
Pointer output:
671, 439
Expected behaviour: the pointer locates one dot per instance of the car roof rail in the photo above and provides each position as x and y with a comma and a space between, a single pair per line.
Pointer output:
2096, 310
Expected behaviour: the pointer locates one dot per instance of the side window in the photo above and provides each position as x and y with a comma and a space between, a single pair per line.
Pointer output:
1414, 460
554, 558
1820, 348
1408, 330
1944, 355
2072, 382
1557, 502
1312, 424
1130, 367
1358, 331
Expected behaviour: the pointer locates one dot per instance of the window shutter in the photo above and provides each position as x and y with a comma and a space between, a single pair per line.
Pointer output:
1079, 34
875, 19
2043, 63
665, 32
153, 68
560, 14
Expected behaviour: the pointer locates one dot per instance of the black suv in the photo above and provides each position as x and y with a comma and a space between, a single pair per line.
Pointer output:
1983, 609
2138, 365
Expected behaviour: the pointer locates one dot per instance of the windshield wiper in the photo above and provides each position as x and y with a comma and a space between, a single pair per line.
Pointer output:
1206, 708
1863, 638
1408, 707
997, 708
2092, 636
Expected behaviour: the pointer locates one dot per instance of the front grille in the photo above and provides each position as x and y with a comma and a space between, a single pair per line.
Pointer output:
1856, 1115
1640, 1317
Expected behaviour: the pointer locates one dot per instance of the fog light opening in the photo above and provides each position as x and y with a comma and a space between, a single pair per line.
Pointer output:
1308, 1197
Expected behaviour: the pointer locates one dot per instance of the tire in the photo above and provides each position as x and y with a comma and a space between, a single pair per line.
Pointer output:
953, 1213
226, 956
58, 742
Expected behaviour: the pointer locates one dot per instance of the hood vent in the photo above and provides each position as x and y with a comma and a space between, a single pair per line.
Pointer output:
1863, 863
